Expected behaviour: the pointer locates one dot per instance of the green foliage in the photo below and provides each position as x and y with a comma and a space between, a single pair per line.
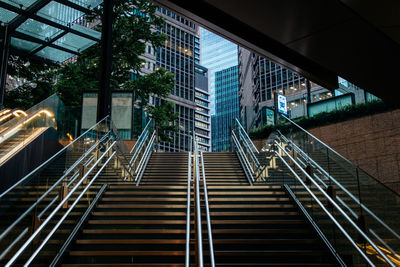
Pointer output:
163, 117
35, 82
159, 83
325, 118
134, 25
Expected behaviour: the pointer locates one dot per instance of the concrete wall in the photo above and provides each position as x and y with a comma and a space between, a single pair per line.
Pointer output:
371, 142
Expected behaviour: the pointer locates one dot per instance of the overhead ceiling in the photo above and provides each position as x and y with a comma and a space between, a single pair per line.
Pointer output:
356, 40
48, 30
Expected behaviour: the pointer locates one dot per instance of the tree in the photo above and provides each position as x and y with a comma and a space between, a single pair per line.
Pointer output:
34, 82
163, 117
135, 24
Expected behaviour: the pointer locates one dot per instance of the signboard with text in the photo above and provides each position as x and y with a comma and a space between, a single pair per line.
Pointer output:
282, 104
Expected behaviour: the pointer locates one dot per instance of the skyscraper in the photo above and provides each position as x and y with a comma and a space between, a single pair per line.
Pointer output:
216, 54
202, 113
260, 78
226, 107
178, 55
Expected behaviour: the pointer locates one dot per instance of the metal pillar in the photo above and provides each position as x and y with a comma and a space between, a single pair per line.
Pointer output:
104, 95
5, 45
308, 85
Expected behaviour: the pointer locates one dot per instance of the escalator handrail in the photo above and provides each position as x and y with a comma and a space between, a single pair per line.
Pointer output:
334, 204
51, 158
24, 121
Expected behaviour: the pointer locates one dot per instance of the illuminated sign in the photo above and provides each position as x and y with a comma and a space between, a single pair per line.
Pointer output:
282, 104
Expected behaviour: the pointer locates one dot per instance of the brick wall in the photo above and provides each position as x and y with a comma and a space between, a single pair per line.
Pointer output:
371, 142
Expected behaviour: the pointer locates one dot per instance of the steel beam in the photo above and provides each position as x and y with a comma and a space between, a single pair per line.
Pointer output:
27, 14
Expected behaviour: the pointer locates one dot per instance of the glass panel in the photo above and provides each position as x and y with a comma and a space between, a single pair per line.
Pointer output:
87, 31
37, 29
54, 54
6, 16
60, 13
24, 4
87, 3
23, 45
74, 42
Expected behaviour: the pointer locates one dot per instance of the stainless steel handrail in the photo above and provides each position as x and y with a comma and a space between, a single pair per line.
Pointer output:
41, 227
50, 159
328, 147
252, 155
326, 174
140, 136
343, 213
243, 160
198, 209
210, 239
22, 216
188, 197
59, 222
145, 158
78, 226
241, 127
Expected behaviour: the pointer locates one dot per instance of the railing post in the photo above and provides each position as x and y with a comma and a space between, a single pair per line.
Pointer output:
63, 193
35, 225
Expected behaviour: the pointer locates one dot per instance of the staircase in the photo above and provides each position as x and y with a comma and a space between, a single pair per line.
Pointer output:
138, 225
257, 225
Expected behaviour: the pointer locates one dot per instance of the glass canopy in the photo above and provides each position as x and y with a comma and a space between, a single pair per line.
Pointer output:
51, 30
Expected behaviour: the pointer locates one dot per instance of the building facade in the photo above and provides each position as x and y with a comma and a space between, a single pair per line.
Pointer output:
226, 107
202, 118
217, 54
260, 79
179, 55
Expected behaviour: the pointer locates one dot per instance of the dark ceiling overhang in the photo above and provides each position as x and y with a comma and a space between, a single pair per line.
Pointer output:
320, 40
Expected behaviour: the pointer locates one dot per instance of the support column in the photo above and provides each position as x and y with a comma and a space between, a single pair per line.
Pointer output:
5, 45
104, 95
308, 85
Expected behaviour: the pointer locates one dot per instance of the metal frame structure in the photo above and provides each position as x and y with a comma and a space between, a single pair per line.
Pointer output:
23, 14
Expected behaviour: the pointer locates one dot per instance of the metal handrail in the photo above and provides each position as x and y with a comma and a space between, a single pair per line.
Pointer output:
198, 209
145, 158
188, 197
22, 216
210, 239
243, 160
354, 198
252, 155
328, 147
343, 213
41, 227
241, 127
140, 136
78, 226
50, 234
50, 159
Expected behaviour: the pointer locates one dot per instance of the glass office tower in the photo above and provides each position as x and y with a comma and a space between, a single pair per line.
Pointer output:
178, 55
226, 107
216, 54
